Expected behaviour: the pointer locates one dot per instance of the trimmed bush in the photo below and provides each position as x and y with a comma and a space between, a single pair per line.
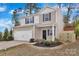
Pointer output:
47, 43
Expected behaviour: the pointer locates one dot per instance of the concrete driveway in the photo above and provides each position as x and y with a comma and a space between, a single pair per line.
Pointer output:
8, 44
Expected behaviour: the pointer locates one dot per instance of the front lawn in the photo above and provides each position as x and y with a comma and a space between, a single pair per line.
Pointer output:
31, 50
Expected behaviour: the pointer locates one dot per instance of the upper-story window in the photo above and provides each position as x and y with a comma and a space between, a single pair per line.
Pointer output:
29, 20
47, 17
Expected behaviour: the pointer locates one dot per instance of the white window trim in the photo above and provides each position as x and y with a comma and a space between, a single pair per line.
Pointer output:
29, 19
44, 15
49, 33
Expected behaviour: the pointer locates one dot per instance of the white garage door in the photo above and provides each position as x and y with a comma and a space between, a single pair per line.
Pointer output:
23, 35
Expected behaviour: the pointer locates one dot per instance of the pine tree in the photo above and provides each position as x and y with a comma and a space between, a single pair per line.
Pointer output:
0, 36
5, 36
11, 32
10, 37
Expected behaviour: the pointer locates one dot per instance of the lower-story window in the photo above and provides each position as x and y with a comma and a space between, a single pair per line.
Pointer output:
49, 32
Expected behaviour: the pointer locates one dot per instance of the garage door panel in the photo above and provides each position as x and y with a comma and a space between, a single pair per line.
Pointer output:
23, 35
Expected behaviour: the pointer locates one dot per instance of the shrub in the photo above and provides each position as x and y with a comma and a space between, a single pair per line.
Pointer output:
47, 43
56, 40
52, 43
10, 38
32, 40
76, 27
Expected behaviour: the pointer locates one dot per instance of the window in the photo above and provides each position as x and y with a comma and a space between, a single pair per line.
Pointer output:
29, 20
32, 20
49, 32
47, 17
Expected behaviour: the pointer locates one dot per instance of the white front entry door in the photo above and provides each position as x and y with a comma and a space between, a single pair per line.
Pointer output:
23, 35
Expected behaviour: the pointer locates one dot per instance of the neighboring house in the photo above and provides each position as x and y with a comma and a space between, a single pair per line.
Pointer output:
68, 35
69, 27
46, 24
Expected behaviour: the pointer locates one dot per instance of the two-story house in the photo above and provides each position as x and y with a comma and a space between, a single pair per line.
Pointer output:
47, 24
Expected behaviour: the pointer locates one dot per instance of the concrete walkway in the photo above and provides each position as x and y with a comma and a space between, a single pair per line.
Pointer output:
8, 44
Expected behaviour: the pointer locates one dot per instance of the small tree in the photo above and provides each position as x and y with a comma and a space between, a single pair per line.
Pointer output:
5, 36
0, 36
76, 25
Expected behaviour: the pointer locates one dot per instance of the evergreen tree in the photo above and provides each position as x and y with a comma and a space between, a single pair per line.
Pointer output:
11, 32
0, 36
10, 37
5, 36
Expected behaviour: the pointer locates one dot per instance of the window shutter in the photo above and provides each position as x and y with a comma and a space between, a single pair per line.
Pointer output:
48, 32
49, 16
25, 20
43, 17
54, 30
33, 19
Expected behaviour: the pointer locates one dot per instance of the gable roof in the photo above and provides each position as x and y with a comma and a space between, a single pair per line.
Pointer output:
69, 27
43, 9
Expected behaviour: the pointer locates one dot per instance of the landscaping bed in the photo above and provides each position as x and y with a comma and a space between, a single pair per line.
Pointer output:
48, 44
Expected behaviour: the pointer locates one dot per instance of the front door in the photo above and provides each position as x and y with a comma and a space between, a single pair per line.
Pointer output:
44, 34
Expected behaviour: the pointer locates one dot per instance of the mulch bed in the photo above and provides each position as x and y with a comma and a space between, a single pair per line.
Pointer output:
54, 44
